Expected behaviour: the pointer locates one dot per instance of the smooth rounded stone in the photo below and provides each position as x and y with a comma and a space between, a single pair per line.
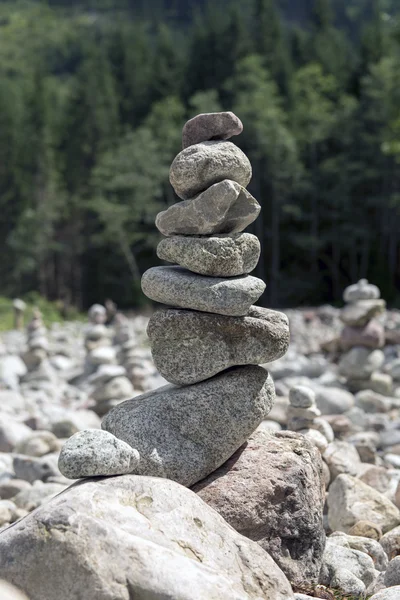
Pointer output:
301, 396
321, 425
363, 290
316, 437
97, 314
106, 372
95, 452
217, 256
37, 444
189, 346
376, 477
390, 542
372, 335
272, 491
360, 363
381, 383
362, 544
137, 537
116, 388
185, 433
392, 593
180, 288
75, 421
225, 207
392, 575
333, 400
95, 333
37, 494
350, 500
366, 529
6, 512
393, 460
105, 355
360, 313
11, 488
211, 126
346, 570
200, 166
30, 468
10, 592
371, 402
11, 433
303, 413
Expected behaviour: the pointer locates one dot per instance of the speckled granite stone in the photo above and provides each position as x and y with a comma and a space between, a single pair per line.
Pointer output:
211, 126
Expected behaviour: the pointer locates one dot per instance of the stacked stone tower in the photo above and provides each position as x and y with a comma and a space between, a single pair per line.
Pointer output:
362, 337
209, 339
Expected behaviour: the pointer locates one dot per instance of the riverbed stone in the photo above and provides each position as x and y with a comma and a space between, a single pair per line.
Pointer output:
180, 288
371, 335
185, 433
225, 207
363, 290
95, 452
360, 363
360, 313
200, 166
189, 346
211, 126
216, 256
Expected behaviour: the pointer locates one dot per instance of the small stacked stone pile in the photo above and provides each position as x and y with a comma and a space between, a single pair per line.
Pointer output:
304, 417
362, 339
98, 340
36, 360
110, 387
209, 339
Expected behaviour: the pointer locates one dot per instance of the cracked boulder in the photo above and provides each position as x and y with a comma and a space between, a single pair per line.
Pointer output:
135, 537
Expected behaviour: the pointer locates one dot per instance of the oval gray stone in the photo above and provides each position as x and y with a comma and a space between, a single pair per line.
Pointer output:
211, 126
94, 452
363, 290
225, 207
179, 287
190, 346
217, 256
198, 167
185, 433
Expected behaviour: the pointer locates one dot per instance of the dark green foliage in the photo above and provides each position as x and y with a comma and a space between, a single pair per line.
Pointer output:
93, 97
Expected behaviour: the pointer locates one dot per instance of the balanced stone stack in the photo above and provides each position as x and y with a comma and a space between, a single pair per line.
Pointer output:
362, 338
110, 386
36, 358
304, 417
209, 339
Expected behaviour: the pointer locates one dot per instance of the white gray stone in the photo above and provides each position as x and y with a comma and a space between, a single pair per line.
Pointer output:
225, 207
185, 433
346, 570
360, 363
180, 288
211, 126
198, 167
138, 537
360, 313
363, 290
189, 346
301, 396
94, 452
392, 593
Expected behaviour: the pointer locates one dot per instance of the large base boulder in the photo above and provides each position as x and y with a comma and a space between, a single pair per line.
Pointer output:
272, 492
135, 537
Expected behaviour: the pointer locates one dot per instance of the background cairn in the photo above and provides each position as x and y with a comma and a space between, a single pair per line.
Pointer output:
209, 339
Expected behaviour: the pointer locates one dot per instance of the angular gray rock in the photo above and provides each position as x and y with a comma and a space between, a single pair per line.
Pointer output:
95, 452
225, 207
342, 457
347, 570
198, 167
218, 256
350, 500
185, 433
272, 491
180, 288
135, 537
189, 346
211, 126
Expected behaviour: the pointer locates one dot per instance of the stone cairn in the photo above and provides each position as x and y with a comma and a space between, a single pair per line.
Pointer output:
36, 358
209, 339
304, 417
362, 339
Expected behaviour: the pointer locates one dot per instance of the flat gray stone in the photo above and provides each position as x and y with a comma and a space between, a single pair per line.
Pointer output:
143, 538
179, 287
359, 313
189, 346
217, 256
211, 126
225, 207
96, 452
198, 167
363, 290
185, 433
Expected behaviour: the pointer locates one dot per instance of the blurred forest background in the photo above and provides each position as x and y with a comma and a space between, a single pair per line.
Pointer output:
93, 97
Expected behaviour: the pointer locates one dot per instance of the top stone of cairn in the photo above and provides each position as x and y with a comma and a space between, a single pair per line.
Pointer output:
363, 290
211, 126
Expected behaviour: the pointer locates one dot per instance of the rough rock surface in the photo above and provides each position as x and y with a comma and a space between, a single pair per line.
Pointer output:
185, 433
217, 256
179, 287
225, 207
94, 452
271, 490
198, 167
211, 126
350, 500
135, 537
392, 574
392, 593
190, 346
347, 570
